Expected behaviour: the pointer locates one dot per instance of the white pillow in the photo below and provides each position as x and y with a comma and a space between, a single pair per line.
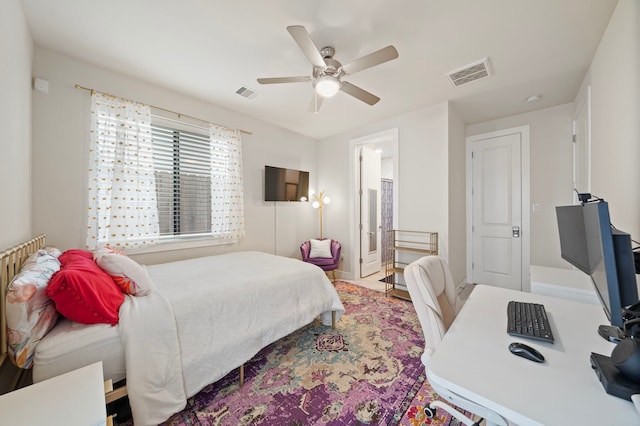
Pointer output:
320, 248
131, 277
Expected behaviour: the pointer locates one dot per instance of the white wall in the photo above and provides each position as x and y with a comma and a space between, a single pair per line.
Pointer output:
386, 168
551, 173
428, 136
615, 137
422, 177
614, 77
16, 53
60, 135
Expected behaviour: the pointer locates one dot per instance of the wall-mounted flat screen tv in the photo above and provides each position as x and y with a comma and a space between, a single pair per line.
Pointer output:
282, 184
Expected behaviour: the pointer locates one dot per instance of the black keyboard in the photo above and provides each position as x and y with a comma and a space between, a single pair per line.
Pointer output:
528, 320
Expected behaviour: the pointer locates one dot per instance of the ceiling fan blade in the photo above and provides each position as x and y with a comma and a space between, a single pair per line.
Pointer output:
372, 59
359, 93
316, 102
276, 80
302, 37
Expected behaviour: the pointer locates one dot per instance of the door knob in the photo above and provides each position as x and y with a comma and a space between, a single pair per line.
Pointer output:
515, 231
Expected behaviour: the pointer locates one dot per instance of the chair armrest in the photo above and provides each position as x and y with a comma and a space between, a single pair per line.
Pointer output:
305, 249
336, 248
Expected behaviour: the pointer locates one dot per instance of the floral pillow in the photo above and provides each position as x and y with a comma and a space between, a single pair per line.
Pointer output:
131, 277
52, 250
30, 311
33, 258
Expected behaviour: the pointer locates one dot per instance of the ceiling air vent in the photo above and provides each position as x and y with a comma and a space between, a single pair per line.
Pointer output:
244, 91
471, 72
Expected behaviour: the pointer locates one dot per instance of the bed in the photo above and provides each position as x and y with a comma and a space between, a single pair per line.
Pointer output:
203, 318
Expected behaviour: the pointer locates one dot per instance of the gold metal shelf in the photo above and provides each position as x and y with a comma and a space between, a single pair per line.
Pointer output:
406, 247
400, 294
414, 249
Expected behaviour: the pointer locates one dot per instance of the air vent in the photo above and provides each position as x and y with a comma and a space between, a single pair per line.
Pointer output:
472, 72
244, 91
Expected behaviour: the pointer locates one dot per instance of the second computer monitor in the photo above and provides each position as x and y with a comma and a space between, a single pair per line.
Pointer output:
589, 242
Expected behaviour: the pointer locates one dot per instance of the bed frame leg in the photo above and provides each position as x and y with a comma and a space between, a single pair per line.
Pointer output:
333, 320
111, 394
241, 370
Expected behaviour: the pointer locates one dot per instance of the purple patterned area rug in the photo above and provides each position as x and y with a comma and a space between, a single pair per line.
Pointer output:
367, 371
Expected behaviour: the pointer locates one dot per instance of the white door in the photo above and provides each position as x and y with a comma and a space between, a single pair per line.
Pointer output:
496, 198
370, 200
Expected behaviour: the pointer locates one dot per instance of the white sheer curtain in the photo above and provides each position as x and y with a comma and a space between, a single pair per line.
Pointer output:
122, 194
227, 193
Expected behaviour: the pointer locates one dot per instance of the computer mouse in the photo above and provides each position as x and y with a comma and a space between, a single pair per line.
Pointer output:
525, 351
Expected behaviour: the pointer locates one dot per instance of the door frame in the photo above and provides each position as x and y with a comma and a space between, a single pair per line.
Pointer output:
390, 135
525, 169
370, 259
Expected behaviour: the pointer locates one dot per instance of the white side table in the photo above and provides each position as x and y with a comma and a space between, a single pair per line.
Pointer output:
74, 398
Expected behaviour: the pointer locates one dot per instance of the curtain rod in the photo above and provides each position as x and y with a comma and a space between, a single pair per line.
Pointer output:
179, 114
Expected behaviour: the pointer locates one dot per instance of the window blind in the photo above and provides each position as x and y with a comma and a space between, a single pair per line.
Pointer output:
182, 164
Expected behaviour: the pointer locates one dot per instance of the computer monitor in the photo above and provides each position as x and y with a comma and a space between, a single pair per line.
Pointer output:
589, 242
574, 247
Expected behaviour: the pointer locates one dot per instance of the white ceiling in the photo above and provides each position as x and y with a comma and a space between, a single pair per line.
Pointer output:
210, 48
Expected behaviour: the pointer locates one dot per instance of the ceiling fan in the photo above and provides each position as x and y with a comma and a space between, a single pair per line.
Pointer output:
327, 72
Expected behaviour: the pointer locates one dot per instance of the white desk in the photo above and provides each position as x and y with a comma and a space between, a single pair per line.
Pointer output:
74, 398
473, 360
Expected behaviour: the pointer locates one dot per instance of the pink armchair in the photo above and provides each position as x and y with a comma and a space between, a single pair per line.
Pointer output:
326, 263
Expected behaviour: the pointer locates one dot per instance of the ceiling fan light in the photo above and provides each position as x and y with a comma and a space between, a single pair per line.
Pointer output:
327, 86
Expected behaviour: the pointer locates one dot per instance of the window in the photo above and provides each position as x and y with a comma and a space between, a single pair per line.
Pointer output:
153, 178
198, 174
182, 165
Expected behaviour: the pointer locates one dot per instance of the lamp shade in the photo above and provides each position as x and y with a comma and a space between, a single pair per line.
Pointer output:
315, 204
327, 86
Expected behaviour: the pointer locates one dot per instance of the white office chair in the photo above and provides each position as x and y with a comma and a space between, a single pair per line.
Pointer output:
434, 296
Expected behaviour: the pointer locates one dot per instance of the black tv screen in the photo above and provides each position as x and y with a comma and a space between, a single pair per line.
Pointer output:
282, 184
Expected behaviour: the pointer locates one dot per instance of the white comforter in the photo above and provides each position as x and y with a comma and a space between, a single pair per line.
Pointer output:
209, 316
